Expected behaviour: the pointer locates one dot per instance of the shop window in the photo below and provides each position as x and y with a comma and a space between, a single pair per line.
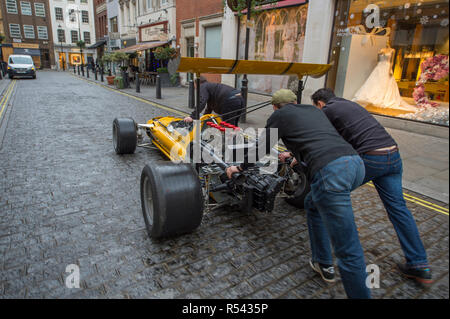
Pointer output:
26, 8
275, 35
87, 37
213, 42
74, 36
14, 30
84, 16
11, 6
61, 35
42, 32
59, 14
28, 31
39, 9
391, 57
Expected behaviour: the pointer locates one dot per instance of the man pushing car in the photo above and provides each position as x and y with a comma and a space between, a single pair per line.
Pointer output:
334, 170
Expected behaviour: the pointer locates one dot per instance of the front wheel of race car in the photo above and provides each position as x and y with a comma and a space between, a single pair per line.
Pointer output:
302, 189
171, 199
124, 136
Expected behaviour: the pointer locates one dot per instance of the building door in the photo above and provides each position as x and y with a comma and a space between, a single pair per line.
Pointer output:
45, 58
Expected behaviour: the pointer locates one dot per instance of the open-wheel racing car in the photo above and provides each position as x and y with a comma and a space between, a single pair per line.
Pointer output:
175, 194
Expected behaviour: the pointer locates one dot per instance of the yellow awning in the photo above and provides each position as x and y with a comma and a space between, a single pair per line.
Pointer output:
223, 66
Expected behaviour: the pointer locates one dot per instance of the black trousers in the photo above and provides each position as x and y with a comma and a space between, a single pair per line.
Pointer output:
233, 104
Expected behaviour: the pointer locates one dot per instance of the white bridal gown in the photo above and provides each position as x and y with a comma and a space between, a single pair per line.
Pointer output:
380, 88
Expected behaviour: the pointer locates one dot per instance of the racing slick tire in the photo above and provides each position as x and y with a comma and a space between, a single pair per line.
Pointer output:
171, 199
124, 136
298, 198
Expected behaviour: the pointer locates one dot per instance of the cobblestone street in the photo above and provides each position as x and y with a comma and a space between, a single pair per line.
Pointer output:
67, 198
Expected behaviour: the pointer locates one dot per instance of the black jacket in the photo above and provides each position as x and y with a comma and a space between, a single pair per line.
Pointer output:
308, 134
357, 126
217, 95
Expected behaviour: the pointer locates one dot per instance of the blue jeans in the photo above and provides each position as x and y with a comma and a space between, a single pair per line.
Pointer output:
385, 171
331, 220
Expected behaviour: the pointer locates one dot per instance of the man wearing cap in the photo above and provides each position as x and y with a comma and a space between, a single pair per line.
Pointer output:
334, 170
383, 162
221, 99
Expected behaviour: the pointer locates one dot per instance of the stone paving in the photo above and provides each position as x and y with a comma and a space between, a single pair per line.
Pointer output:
67, 198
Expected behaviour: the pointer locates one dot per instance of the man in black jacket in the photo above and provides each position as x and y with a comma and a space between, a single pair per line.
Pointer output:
383, 165
334, 170
221, 99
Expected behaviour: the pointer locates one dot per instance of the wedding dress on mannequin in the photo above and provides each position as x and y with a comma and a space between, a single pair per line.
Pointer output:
381, 89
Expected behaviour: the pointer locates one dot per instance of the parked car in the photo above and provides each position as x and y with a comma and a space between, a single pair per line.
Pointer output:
21, 65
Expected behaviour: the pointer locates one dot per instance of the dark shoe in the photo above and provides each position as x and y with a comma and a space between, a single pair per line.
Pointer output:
325, 271
420, 274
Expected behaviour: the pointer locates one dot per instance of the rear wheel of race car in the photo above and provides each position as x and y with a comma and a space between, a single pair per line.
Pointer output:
303, 188
171, 199
124, 136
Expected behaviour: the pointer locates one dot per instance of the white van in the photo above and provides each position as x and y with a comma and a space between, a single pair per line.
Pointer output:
21, 65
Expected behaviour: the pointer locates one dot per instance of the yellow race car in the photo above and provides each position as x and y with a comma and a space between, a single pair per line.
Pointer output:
176, 193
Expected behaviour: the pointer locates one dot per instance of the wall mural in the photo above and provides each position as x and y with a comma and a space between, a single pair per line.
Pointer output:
275, 35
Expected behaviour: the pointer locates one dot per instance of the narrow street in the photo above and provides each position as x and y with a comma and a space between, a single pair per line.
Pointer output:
67, 198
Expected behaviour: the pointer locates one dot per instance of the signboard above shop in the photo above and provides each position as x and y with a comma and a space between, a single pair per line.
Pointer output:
154, 32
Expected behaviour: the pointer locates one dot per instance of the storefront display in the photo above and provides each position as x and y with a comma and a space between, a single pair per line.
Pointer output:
277, 34
392, 57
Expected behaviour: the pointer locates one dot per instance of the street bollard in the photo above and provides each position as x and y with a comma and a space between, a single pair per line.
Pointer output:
95, 74
74, 70
191, 101
82, 70
1, 77
87, 72
78, 68
158, 87
138, 84
101, 74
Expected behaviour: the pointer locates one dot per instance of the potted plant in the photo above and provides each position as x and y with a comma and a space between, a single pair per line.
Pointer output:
107, 59
121, 58
165, 55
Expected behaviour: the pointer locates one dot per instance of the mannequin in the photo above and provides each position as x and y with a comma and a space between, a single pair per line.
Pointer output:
381, 89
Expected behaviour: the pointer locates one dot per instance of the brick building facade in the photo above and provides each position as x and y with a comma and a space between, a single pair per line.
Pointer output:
28, 30
199, 29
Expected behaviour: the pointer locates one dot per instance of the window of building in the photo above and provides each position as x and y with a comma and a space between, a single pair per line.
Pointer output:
113, 23
28, 31
74, 36
26, 8
39, 9
163, 2
391, 57
87, 37
14, 30
213, 42
42, 32
61, 35
149, 5
59, 14
83, 1
84, 16
11, 6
